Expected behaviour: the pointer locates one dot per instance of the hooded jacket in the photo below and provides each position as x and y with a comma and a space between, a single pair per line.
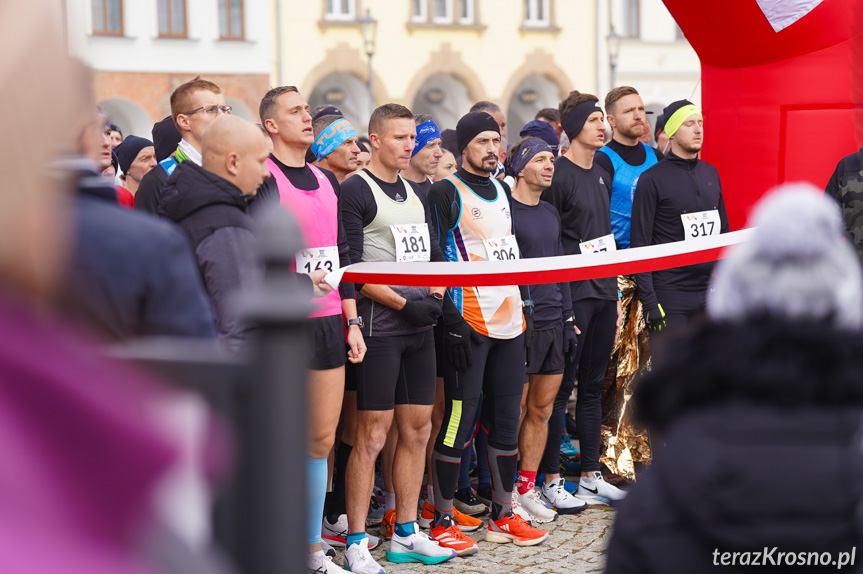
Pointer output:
130, 275
214, 215
664, 192
760, 422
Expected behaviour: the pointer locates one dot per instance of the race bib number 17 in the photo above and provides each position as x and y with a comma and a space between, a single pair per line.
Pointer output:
700, 224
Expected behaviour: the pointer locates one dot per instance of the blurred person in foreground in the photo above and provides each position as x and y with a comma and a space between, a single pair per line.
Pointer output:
759, 407
84, 459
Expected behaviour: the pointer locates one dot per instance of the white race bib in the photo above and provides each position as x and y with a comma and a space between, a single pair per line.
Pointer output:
604, 244
700, 224
312, 259
412, 242
502, 248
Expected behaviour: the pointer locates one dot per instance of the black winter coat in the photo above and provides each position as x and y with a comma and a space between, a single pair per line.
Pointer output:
213, 213
762, 450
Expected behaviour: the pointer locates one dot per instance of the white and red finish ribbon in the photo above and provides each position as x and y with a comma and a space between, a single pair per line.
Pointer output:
542, 269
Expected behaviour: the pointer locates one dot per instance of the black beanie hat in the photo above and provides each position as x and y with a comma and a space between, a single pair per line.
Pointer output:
129, 150
166, 137
660, 126
472, 124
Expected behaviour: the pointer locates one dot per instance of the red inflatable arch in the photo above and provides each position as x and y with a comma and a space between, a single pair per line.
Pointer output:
782, 89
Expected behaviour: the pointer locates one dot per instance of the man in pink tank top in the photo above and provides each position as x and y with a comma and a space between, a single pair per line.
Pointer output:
310, 195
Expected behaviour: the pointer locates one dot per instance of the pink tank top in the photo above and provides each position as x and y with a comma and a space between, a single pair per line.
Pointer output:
317, 213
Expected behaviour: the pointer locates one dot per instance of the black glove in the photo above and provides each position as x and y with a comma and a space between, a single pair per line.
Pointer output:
528, 334
424, 312
457, 342
655, 317
570, 341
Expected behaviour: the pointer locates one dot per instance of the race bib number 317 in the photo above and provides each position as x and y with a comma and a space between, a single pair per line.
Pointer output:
604, 244
700, 224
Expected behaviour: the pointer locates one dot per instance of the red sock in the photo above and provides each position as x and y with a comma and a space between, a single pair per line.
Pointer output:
526, 480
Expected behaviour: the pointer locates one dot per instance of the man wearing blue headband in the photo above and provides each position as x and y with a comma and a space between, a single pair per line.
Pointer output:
679, 199
426, 154
335, 146
580, 191
537, 228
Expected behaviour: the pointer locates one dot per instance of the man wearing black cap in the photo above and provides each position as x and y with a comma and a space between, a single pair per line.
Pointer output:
679, 199
580, 191
660, 136
484, 340
136, 157
625, 158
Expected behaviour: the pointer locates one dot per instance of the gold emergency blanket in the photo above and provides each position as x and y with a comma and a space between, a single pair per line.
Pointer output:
625, 448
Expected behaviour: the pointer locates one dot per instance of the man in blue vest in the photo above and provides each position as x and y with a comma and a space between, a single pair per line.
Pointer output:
625, 158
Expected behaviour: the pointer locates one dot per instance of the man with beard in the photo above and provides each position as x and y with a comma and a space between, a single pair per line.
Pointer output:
625, 158
678, 199
335, 146
483, 338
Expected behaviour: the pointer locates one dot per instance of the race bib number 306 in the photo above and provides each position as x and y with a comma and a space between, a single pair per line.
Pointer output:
326, 258
502, 248
700, 224
412, 242
604, 244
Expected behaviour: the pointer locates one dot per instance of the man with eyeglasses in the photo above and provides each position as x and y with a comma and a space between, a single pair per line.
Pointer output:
194, 106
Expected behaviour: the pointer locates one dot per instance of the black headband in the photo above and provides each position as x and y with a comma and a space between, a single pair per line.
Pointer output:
573, 123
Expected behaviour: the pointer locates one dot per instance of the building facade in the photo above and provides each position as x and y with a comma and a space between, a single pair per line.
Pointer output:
441, 56
141, 50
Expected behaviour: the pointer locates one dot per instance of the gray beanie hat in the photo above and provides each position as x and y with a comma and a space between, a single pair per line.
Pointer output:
797, 265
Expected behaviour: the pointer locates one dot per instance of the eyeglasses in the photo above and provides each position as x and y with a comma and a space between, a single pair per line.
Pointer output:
210, 110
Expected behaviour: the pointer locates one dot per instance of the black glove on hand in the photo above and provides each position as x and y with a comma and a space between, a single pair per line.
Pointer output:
424, 312
528, 336
655, 318
570, 341
457, 342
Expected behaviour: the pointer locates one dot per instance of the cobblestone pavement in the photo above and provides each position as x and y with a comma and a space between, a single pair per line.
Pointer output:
577, 544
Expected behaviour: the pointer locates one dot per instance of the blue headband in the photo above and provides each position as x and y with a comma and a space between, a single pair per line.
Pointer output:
526, 152
332, 137
426, 132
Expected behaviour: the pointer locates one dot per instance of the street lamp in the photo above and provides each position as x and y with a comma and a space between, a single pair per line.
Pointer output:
613, 42
369, 29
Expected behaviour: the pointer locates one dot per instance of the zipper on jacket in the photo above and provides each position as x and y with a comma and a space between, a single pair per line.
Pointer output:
372, 318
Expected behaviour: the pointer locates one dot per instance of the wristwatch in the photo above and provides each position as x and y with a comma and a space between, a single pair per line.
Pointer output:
358, 321
438, 296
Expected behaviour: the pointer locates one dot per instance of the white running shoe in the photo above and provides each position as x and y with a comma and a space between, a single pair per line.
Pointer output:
555, 493
517, 508
327, 549
417, 548
530, 502
336, 533
360, 561
319, 563
596, 491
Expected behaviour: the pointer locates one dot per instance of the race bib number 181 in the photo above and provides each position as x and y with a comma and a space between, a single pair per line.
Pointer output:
412, 242
700, 224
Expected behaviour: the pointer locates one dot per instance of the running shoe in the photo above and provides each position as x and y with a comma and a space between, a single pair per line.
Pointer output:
467, 502
337, 534
417, 547
327, 549
360, 561
376, 512
320, 563
570, 467
483, 493
556, 494
452, 537
566, 448
516, 507
388, 524
514, 529
597, 491
530, 502
465, 523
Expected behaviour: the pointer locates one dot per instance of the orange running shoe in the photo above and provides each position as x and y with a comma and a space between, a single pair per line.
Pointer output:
388, 524
515, 529
465, 523
454, 539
